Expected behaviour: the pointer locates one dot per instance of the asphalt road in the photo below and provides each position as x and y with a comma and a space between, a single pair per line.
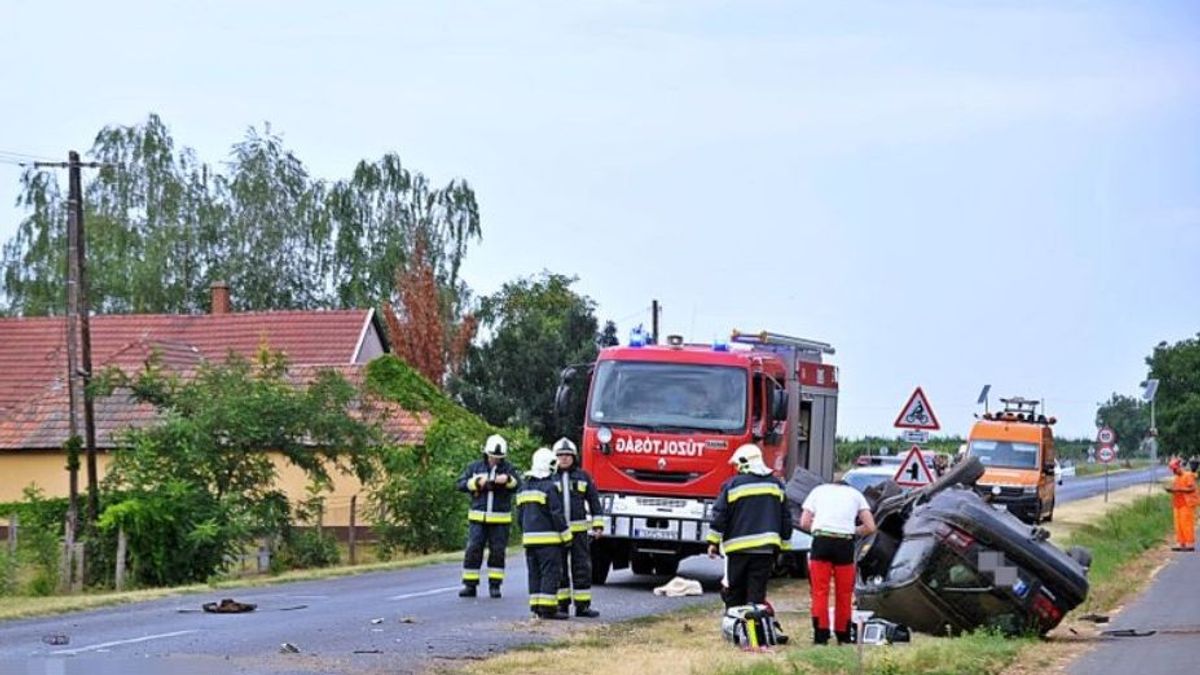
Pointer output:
332, 622
329, 621
1171, 608
1074, 488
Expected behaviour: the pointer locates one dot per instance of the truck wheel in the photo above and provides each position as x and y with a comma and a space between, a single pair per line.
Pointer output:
666, 566
642, 563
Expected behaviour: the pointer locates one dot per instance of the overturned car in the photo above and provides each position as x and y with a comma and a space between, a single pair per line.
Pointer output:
945, 560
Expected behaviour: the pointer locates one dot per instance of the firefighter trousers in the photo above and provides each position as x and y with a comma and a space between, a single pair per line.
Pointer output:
575, 581
545, 567
748, 574
1185, 525
495, 537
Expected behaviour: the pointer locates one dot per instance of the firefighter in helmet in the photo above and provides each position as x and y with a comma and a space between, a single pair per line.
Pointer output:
750, 524
581, 508
491, 482
545, 532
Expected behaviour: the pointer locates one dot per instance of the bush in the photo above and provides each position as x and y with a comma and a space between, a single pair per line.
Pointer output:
415, 491
305, 548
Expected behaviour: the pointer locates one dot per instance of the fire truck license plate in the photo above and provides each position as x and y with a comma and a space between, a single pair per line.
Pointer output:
654, 534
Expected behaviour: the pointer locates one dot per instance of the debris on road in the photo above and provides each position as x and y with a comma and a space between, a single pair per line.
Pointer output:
377, 621
407, 619
679, 587
368, 651
288, 648
56, 640
228, 606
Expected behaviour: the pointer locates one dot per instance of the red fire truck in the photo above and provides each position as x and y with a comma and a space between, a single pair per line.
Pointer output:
661, 422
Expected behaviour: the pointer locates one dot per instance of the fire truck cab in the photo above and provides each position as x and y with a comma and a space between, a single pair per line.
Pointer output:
661, 422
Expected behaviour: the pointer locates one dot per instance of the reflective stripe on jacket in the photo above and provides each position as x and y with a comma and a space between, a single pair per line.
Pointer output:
581, 501
751, 515
490, 503
540, 509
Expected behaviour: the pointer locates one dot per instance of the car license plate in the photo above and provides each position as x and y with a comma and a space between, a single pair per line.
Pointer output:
643, 533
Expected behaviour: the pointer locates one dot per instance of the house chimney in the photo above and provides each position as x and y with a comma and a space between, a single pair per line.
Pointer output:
220, 297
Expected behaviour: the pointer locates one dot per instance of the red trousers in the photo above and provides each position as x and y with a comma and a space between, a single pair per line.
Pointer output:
820, 573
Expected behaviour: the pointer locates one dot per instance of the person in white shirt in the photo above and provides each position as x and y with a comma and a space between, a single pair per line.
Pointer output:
834, 513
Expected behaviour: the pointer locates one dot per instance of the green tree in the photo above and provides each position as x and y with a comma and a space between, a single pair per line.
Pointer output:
1129, 417
194, 486
608, 336
162, 226
535, 327
1177, 368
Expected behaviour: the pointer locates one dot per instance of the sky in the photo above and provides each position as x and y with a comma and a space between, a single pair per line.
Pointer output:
951, 193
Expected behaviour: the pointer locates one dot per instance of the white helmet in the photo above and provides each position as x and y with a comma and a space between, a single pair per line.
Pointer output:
749, 459
544, 463
495, 446
564, 446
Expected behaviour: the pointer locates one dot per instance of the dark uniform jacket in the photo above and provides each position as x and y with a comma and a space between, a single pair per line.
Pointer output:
580, 499
540, 509
751, 515
490, 503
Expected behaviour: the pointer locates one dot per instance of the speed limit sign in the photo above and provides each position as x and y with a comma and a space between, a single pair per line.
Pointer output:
1106, 437
1105, 454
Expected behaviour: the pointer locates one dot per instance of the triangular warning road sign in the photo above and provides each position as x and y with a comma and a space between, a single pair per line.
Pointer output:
917, 413
913, 471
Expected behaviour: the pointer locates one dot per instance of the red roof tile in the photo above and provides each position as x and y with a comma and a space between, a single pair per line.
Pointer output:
32, 353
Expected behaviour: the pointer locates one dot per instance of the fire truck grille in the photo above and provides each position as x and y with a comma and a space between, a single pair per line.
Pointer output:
661, 476
662, 502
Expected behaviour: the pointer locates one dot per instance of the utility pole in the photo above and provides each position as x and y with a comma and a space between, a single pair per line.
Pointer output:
79, 349
654, 312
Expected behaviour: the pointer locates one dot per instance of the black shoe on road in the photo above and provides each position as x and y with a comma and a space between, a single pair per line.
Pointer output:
467, 592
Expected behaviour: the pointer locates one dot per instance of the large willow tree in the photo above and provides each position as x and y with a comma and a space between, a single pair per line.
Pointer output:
163, 225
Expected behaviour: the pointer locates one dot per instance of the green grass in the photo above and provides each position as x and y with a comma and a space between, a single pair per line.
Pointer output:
1097, 469
1117, 539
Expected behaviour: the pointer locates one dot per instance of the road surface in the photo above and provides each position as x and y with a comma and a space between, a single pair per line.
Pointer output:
423, 621
1082, 487
1171, 607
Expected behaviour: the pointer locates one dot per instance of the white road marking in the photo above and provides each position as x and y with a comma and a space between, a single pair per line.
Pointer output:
114, 643
421, 594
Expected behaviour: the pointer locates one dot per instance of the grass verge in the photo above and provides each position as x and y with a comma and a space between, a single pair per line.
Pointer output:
17, 607
1119, 532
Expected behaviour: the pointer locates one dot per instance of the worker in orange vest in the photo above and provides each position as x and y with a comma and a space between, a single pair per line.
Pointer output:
1184, 500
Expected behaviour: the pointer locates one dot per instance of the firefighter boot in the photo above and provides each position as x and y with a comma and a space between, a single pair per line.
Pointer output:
494, 590
564, 606
584, 610
468, 591
820, 635
552, 613
844, 637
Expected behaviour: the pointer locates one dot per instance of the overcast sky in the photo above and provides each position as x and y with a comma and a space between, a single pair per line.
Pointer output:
952, 193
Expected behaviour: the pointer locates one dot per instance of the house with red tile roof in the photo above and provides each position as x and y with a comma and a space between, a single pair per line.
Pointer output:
34, 416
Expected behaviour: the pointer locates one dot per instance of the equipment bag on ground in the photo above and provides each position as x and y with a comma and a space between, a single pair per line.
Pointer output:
752, 626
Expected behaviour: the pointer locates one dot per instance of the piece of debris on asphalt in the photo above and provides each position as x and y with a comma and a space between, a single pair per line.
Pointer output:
229, 606
56, 640
407, 619
376, 621
368, 651
288, 648
1094, 618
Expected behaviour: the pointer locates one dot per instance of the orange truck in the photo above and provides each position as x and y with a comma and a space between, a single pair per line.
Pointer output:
1016, 448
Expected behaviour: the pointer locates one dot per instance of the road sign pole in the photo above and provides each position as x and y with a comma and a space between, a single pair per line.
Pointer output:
1106, 482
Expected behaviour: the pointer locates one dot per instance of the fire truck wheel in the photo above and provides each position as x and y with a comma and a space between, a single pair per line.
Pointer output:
666, 566
642, 563
601, 564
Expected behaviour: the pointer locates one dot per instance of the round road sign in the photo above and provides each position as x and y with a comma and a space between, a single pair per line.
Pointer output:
1106, 436
1105, 454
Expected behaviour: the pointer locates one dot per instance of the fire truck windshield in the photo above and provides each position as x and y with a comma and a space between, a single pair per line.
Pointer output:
669, 396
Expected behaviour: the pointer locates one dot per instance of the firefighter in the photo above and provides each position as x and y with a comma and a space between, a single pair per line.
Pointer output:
750, 525
545, 534
491, 482
831, 513
1184, 500
581, 508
